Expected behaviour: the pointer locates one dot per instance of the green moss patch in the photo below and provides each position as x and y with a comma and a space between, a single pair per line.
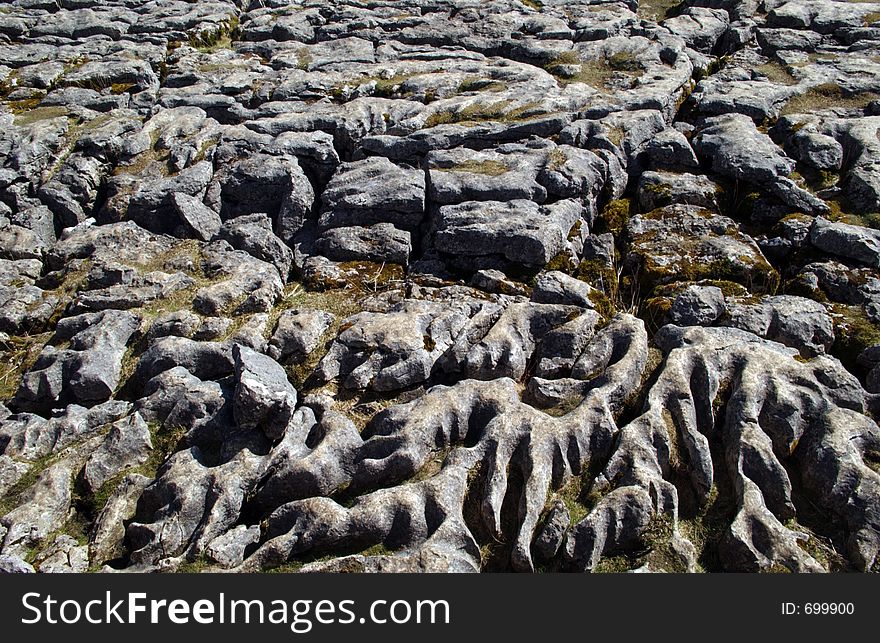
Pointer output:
853, 333
27, 112
487, 167
574, 497
615, 216
657, 10
503, 111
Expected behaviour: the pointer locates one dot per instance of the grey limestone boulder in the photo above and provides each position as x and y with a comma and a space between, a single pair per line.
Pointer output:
736, 149
264, 398
461, 175
253, 234
556, 287
373, 191
659, 189
380, 242
516, 231
229, 549
848, 241
298, 333
128, 444
12, 564
45, 505
199, 219
697, 306
89, 370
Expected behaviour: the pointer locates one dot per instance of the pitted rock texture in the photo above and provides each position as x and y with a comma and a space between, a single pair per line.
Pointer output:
429, 285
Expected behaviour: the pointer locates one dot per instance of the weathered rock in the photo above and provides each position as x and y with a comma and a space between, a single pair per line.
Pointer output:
670, 150
202, 502
794, 321
89, 370
17, 242
127, 445
700, 28
505, 350
264, 398
64, 556
555, 287
380, 243
461, 175
373, 191
572, 173
520, 232
659, 189
253, 234
105, 73
182, 323
152, 205
203, 359
736, 149
240, 283
228, 550
563, 347
859, 137
44, 507
480, 187
686, 243
314, 458
817, 150
182, 402
31, 437
298, 333
765, 377
817, 16
697, 306
273, 185
442, 418
197, 218
11, 471
495, 281
551, 535
12, 564
393, 350
105, 541
845, 240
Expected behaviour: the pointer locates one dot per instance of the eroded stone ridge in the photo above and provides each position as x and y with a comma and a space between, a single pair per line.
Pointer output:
432, 286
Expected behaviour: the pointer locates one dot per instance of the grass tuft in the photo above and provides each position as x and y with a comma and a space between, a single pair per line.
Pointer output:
615, 216
826, 96
501, 111
480, 84
18, 355
776, 73
657, 10
27, 112
303, 58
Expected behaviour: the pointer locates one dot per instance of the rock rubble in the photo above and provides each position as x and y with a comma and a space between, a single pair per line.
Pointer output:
439, 286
